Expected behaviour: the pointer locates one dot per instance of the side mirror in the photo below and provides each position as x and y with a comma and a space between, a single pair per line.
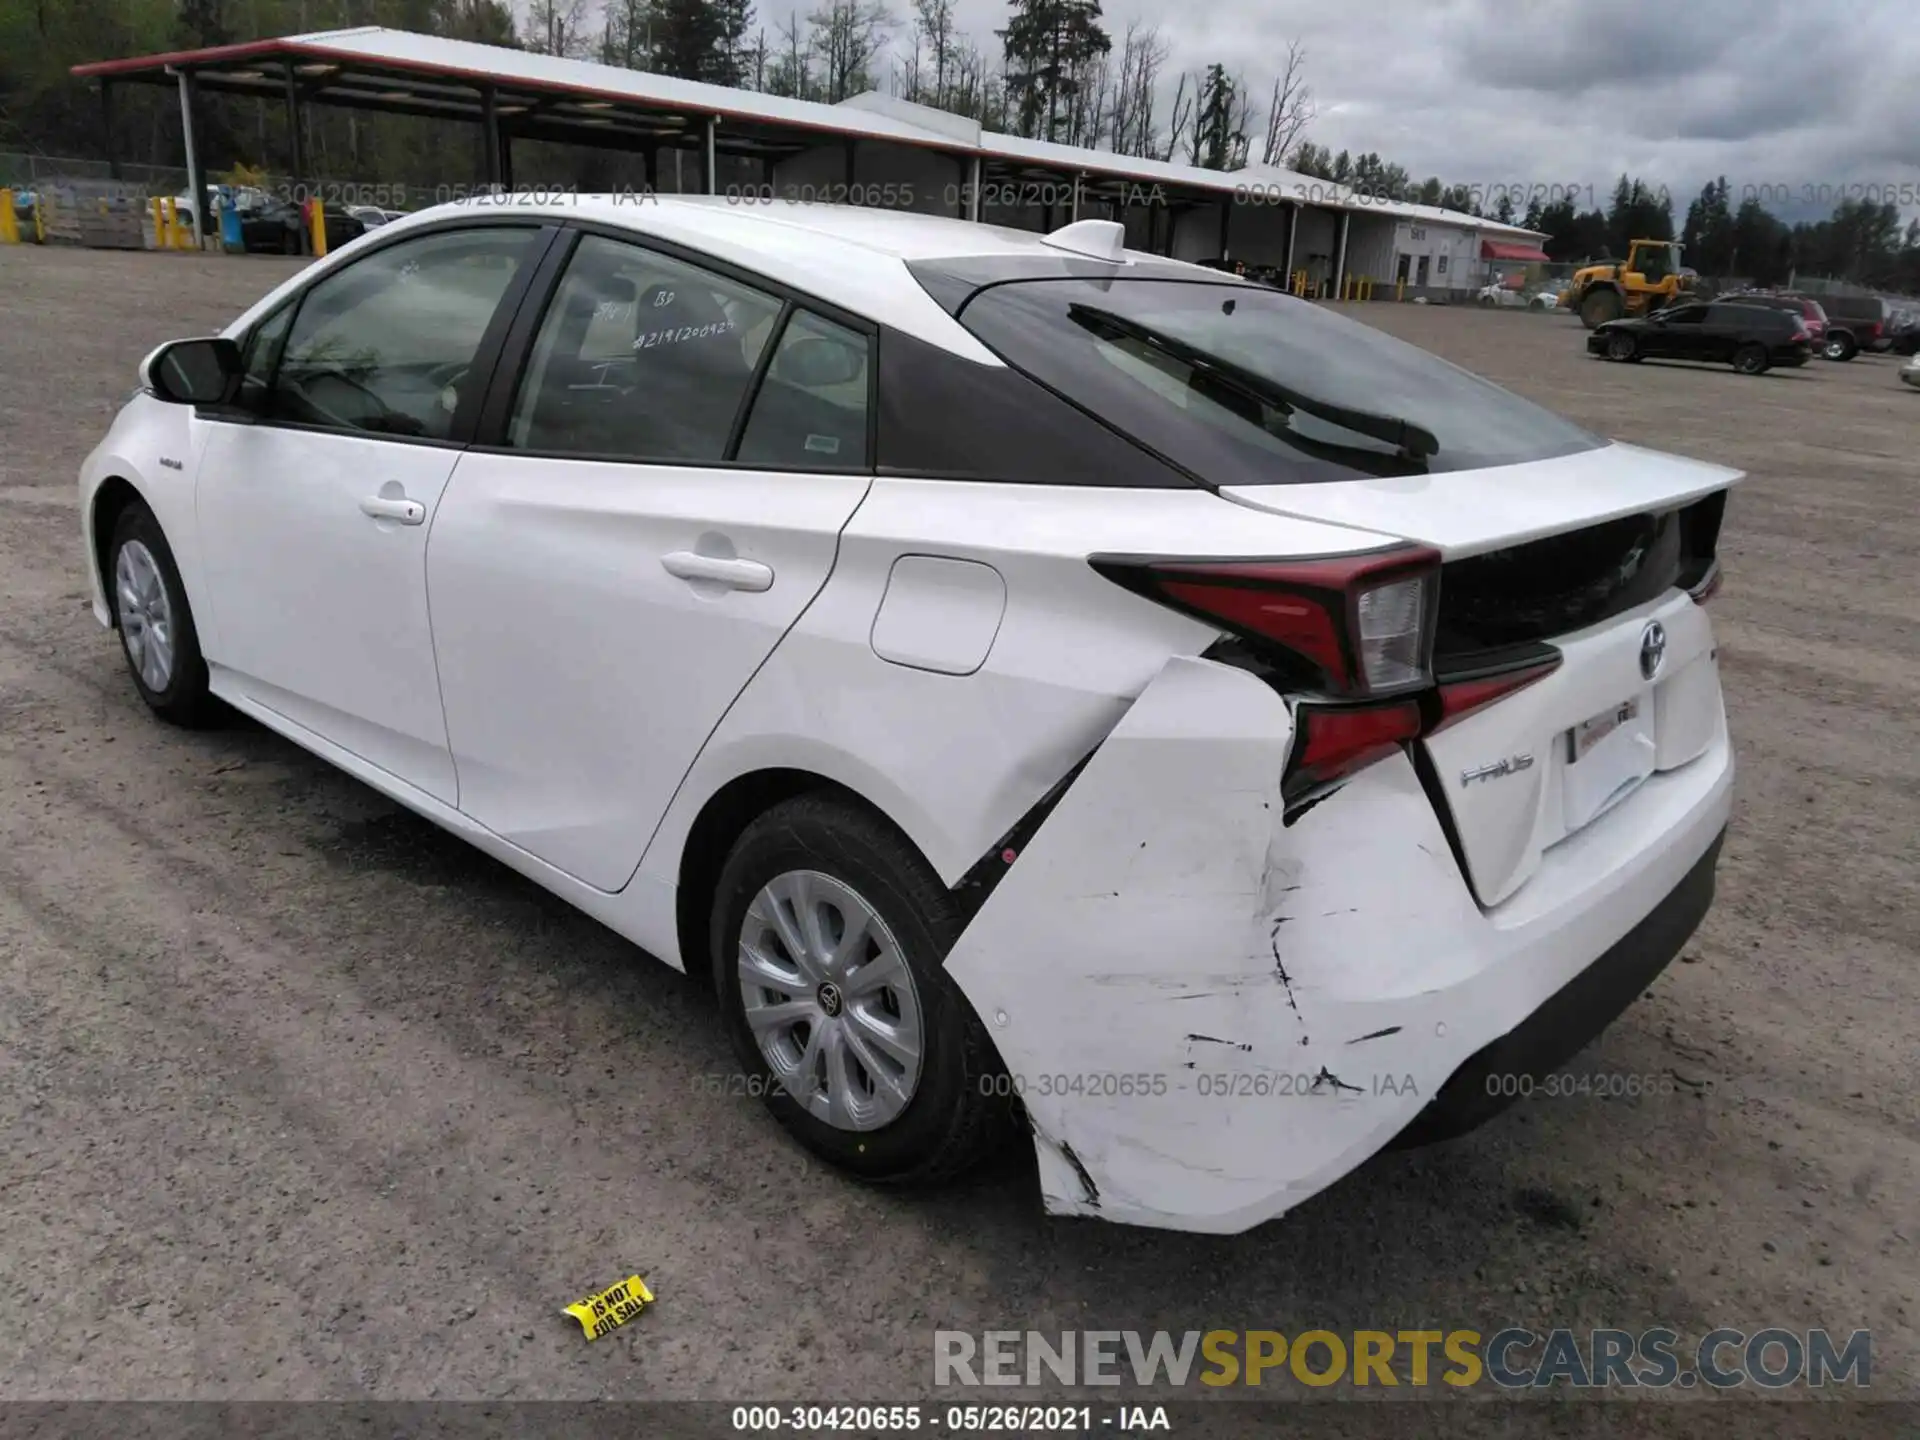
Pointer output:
194, 372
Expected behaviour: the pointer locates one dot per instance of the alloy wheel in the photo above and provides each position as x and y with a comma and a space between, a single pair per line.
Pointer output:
146, 615
830, 1000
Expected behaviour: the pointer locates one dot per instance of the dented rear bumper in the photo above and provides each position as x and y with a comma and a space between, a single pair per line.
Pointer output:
1211, 1016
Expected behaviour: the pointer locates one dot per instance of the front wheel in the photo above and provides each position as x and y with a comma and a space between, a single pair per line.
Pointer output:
1750, 359
1622, 347
1600, 306
829, 937
150, 609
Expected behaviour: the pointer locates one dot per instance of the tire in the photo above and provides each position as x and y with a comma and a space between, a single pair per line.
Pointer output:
1622, 348
1600, 306
1750, 359
828, 856
150, 605
1839, 347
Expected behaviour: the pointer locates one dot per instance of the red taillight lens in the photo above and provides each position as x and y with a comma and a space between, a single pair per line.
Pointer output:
1361, 624
1460, 698
1338, 741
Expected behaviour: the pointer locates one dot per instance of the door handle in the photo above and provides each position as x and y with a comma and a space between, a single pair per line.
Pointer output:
387, 507
734, 574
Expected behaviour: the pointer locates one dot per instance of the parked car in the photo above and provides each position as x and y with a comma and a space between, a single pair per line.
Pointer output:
1508, 296
1751, 338
277, 228
922, 632
1868, 317
1906, 330
1910, 372
372, 216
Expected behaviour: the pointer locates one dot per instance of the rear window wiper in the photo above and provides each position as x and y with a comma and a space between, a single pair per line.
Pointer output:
1413, 441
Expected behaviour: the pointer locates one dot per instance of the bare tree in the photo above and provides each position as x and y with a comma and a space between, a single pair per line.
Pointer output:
848, 35
1240, 134
934, 23
1130, 123
1291, 108
1183, 129
909, 74
1090, 99
557, 27
791, 72
625, 40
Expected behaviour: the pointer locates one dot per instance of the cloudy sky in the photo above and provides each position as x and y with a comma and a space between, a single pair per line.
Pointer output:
1804, 96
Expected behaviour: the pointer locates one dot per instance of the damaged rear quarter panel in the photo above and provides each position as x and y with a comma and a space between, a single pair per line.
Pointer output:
1266, 981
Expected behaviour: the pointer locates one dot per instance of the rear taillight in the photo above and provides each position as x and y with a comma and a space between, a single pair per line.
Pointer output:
1460, 698
1334, 741
1707, 586
1352, 635
1354, 627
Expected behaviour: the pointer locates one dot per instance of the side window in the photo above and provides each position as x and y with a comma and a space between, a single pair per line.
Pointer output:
261, 354
811, 412
1693, 314
385, 345
640, 356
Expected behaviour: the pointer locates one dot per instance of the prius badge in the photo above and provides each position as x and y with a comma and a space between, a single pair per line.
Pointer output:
1499, 769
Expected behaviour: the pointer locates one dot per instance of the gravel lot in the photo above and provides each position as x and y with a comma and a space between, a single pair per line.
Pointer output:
301, 1098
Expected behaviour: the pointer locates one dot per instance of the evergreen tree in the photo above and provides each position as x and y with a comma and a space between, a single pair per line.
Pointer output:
1049, 45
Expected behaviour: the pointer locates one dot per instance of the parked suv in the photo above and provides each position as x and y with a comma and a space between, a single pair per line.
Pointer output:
1868, 316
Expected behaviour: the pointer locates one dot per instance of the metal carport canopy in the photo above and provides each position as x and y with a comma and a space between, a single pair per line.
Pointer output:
547, 97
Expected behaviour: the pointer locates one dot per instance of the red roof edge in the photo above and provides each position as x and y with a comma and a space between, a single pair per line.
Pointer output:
244, 51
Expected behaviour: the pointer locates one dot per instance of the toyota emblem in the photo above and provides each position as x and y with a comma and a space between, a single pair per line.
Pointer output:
1653, 648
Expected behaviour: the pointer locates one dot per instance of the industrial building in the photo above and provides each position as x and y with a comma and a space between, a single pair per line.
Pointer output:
870, 149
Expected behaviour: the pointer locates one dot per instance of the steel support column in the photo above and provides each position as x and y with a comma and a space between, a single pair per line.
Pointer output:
1226, 218
1293, 228
107, 127
712, 186
490, 138
196, 180
1340, 255
296, 153
973, 195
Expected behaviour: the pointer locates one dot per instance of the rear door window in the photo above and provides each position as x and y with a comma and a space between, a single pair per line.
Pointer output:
1240, 384
641, 356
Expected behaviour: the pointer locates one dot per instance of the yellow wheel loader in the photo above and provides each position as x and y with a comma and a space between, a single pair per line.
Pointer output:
1651, 278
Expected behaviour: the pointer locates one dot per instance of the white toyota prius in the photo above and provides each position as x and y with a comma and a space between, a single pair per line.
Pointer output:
1042, 688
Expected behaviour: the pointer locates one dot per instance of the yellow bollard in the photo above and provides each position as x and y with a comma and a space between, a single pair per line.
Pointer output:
317, 223
154, 207
9, 226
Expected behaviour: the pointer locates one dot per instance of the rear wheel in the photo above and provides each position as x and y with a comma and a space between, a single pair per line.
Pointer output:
1750, 359
1839, 347
157, 633
1600, 306
1622, 347
830, 934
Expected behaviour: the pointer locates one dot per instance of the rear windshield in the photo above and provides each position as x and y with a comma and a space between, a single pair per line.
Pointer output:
1242, 385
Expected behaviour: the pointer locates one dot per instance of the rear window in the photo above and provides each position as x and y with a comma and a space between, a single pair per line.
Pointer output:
1242, 385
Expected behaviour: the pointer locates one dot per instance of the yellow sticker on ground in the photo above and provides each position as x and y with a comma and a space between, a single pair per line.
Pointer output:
612, 1307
